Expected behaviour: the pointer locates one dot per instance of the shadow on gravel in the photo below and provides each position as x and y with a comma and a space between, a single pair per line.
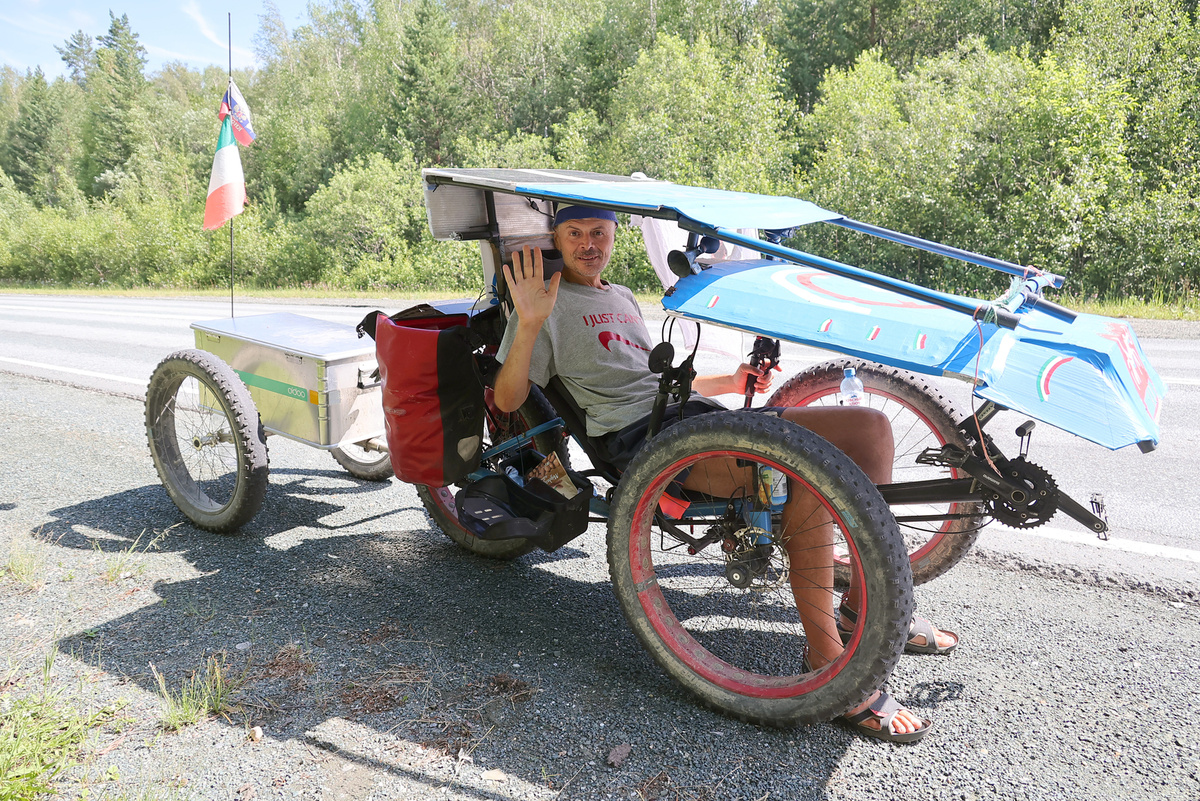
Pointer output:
396, 653
933, 694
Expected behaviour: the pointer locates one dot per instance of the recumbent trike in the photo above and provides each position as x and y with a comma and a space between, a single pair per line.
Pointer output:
702, 578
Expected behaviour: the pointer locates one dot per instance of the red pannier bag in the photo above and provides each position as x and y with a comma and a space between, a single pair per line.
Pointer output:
433, 402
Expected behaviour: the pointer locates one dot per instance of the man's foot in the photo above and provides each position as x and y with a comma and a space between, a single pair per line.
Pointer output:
923, 636
885, 719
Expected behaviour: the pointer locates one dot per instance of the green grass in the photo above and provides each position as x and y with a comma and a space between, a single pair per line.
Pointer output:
26, 563
1184, 309
199, 696
41, 736
124, 563
222, 292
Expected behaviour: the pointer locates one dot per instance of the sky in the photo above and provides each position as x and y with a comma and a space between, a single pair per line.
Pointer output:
192, 31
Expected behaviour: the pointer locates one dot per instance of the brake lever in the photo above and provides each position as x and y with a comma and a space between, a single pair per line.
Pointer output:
763, 356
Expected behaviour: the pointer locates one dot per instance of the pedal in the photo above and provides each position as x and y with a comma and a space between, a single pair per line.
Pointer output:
945, 456
1097, 504
1025, 432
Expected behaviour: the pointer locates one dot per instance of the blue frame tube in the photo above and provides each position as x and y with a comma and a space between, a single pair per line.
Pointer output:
979, 310
1053, 280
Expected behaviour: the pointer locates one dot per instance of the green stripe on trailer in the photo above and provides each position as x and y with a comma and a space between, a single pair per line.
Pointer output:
278, 387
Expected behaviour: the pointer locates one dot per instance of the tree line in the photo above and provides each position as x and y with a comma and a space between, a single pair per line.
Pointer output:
1060, 133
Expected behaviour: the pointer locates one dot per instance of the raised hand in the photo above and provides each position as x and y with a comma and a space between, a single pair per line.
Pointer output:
533, 298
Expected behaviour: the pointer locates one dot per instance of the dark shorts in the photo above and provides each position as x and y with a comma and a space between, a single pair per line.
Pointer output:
623, 445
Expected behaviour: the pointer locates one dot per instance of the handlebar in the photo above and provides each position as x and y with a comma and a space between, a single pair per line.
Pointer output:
764, 355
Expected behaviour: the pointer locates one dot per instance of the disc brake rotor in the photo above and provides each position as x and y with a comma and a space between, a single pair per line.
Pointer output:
754, 565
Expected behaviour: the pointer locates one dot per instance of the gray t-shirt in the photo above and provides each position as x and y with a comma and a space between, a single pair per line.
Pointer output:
596, 341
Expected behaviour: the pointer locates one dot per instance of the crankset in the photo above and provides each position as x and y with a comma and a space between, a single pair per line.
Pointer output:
1031, 509
1015, 492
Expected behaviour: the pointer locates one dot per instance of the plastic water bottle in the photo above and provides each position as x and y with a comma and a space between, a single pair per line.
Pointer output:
852, 389
772, 495
772, 488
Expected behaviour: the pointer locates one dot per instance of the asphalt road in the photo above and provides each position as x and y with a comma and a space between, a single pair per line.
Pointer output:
1076, 677
112, 345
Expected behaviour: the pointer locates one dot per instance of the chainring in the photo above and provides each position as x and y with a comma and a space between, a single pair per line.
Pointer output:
1043, 492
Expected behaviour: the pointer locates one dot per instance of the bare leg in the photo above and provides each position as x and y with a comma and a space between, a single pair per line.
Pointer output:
865, 435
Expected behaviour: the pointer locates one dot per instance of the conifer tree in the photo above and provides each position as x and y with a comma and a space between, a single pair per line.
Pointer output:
115, 87
37, 116
79, 56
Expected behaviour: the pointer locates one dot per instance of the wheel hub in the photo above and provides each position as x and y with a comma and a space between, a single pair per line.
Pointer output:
754, 562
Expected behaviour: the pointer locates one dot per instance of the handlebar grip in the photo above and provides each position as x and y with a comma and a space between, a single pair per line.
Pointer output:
998, 315
1054, 310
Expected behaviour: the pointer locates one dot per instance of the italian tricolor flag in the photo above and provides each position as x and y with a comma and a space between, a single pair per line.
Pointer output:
227, 186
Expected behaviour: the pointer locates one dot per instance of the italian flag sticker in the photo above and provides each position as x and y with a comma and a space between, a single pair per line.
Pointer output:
825, 326
714, 300
919, 342
1048, 370
874, 333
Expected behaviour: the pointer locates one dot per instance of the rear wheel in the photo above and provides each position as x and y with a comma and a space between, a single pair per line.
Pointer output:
439, 501
921, 417
719, 613
206, 440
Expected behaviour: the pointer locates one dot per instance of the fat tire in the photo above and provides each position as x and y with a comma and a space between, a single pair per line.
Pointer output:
375, 466
855, 504
235, 424
931, 555
439, 501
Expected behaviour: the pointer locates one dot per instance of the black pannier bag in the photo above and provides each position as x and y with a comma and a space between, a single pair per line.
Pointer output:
433, 400
498, 507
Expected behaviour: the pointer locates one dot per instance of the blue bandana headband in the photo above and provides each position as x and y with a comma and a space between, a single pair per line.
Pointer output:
565, 213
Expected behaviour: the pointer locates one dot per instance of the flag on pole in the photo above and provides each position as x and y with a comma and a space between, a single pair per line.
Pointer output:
227, 186
233, 103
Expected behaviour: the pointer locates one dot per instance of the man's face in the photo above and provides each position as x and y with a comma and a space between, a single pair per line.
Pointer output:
586, 245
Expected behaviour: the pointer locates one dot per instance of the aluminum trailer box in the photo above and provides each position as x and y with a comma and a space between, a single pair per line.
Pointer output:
310, 379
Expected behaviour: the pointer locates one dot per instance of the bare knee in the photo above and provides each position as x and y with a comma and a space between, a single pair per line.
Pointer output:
865, 435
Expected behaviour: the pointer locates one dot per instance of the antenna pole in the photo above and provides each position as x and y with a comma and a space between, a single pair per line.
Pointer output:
229, 16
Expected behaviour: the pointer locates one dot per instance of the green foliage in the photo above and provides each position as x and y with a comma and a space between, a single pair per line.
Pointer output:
431, 105
373, 210
991, 152
1063, 134
815, 36
41, 736
117, 122
684, 114
629, 265
79, 56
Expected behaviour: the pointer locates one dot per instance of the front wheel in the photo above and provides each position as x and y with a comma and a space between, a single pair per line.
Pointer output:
206, 440
921, 417
715, 592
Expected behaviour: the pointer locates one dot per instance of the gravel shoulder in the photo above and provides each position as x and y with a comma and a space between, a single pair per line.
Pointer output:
382, 662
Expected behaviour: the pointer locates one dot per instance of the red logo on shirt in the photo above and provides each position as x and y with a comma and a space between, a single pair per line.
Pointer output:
609, 336
593, 320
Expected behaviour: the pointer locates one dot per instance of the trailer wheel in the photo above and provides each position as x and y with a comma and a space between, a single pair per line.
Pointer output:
364, 464
206, 439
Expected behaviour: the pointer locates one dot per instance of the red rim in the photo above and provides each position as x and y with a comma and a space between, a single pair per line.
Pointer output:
935, 536
677, 638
